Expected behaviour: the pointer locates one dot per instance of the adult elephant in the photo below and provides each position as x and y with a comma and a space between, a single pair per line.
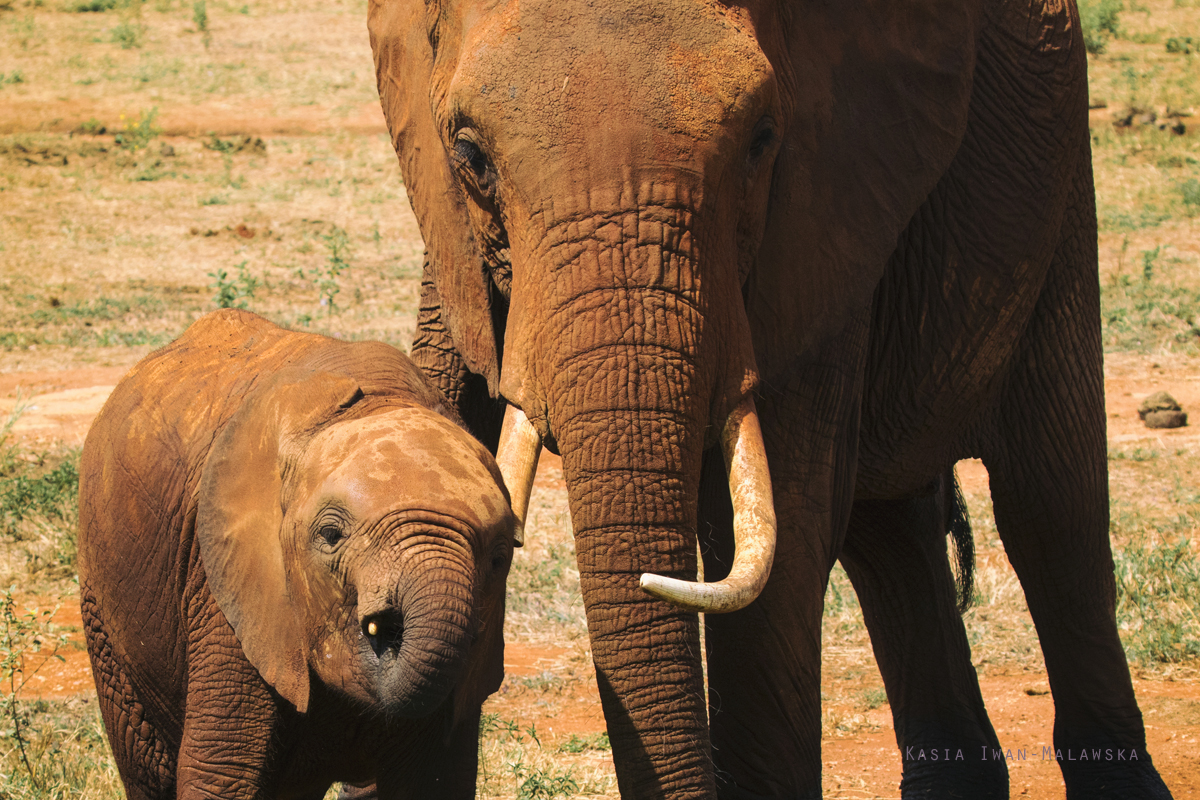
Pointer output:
874, 220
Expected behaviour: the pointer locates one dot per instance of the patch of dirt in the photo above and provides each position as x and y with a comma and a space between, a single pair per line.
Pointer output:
553, 688
1130, 378
252, 118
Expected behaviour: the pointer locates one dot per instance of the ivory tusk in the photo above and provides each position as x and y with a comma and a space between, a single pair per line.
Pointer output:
517, 457
753, 525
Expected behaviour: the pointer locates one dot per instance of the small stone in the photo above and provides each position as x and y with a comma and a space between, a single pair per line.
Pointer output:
1159, 401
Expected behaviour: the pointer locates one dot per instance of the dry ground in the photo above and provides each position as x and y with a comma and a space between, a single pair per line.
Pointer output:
253, 161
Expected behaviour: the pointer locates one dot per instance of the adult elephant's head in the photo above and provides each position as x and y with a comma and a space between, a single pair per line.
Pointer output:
632, 211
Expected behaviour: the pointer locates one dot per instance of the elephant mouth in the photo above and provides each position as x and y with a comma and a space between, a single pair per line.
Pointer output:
749, 488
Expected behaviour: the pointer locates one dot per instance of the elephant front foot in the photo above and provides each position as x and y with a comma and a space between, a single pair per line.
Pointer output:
977, 771
1110, 773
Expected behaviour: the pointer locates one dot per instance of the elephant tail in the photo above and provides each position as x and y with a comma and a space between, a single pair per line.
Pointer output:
958, 527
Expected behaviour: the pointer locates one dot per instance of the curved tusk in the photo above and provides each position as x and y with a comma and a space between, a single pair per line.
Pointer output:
753, 525
517, 457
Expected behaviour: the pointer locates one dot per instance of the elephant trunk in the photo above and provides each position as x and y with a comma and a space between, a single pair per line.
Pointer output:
633, 478
420, 630
623, 347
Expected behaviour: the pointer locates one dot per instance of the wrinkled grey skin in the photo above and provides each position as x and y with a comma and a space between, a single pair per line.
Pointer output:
292, 565
875, 217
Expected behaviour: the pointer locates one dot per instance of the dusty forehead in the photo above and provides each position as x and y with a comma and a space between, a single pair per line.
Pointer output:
682, 64
407, 458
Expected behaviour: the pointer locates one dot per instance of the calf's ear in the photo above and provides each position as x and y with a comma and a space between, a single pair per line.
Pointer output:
239, 520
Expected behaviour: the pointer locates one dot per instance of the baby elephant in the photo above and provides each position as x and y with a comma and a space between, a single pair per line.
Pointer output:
291, 566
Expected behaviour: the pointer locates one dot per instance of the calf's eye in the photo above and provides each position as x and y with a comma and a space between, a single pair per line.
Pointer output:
330, 534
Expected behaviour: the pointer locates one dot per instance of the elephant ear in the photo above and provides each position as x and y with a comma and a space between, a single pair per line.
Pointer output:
400, 42
239, 520
881, 107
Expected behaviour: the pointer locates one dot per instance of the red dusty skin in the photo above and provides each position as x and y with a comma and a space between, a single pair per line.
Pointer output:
632, 478
630, 383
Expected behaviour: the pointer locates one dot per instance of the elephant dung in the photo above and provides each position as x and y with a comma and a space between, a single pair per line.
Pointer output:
1160, 410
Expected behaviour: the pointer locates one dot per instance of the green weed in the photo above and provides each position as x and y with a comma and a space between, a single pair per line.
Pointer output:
39, 494
1158, 599
69, 752
580, 744
200, 18
128, 34
512, 756
24, 642
1100, 23
93, 127
1190, 191
843, 615
90, 6
541, 783
1143, 315
1137, 454
234, 292
1148, 259
325, 278
1146, 216
543, 681
237, 144
137, 133
870, 699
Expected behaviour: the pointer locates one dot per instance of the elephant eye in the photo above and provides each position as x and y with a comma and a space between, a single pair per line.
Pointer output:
331, 534
764, 137
501, 555
471, 159
470, 154
329, 529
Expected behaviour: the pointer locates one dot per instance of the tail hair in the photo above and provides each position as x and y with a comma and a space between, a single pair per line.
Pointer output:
958, 527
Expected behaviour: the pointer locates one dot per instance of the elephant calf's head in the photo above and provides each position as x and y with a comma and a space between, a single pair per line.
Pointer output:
368, 543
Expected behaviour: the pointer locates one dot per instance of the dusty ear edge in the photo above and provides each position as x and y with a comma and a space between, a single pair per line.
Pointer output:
399, 35
239, 522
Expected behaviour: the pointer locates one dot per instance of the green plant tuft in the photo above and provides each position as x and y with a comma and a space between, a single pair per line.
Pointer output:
1158, 599
24, 643
128, 34
1183, 44
1190, 190
233, 292
1098, 19
136, 134
325, 278
580, 744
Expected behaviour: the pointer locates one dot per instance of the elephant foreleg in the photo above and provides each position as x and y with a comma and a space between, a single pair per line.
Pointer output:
895, 555
230, 720
764, 662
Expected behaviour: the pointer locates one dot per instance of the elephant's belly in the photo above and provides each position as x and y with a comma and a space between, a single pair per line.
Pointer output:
929, 390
